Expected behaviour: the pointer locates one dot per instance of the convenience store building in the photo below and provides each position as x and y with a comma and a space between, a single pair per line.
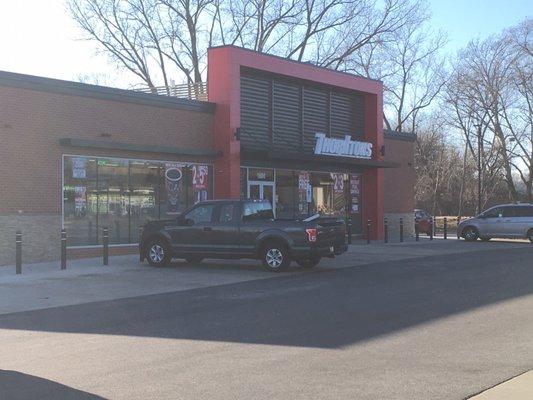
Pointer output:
82, 157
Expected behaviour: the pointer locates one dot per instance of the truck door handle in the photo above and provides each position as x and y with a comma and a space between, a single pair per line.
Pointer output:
207, 229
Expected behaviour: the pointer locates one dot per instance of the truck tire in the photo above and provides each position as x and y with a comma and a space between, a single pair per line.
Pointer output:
308, 262
275, 256
158, 253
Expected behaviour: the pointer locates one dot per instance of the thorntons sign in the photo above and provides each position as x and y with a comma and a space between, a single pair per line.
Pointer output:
342, 147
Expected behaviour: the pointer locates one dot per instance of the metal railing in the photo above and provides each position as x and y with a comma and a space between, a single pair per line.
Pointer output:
194, 91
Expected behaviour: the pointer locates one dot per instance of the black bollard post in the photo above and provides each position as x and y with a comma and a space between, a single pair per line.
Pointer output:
431, 227
417, 230
105, 241
350, 229
18, 252
63, 249
368, 223
386, 229
141, 258
401, 230
445, 228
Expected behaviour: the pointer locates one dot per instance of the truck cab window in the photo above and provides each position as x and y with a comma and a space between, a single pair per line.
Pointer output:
226, 213
257, 211
201, 214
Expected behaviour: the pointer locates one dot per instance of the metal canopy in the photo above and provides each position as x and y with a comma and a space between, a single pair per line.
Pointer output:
103, 144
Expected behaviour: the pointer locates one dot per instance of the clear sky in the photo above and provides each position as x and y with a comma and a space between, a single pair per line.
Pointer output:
464, 20
38, 37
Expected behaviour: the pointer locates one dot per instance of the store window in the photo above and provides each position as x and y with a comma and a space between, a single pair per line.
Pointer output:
286, 192
80, 199
113, 198
145, 200
244, 183
256, 174
124, 194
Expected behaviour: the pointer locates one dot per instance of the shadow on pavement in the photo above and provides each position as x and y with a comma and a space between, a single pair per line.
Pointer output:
325, 308
18, 386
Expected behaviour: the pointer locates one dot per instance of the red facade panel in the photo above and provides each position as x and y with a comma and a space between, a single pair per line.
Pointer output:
224, 77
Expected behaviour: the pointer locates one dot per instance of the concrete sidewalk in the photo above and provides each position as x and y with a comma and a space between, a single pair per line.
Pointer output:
518, 388
44, 285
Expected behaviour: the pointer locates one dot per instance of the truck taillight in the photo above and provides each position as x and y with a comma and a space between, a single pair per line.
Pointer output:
311, 234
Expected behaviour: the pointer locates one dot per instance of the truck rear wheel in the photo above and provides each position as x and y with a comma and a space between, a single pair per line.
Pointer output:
308, 262
275, 257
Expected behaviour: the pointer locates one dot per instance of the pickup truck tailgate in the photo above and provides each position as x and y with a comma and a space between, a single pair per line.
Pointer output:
331, 232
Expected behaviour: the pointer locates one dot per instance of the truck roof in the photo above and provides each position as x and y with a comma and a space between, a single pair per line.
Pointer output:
233, 201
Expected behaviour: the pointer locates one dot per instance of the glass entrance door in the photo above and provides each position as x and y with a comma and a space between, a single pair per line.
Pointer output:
262, 191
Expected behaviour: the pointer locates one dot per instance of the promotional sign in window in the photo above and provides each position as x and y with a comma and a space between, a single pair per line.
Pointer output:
355, 190
80, 201
305, 192
173, 175
79, 170
303, 180
200, 179
338, 183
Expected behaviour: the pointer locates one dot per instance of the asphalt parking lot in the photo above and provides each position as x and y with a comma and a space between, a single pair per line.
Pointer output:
440, 320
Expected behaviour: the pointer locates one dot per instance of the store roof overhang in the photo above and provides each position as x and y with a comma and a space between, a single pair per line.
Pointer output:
103, 144
298, 158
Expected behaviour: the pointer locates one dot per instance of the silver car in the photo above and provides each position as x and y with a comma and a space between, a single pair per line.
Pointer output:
504, 221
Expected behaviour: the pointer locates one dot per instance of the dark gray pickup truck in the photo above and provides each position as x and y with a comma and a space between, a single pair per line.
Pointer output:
241, 229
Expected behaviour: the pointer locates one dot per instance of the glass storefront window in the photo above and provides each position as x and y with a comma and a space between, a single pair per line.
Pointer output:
113, 198
244, 183
329, 193
144, 198
256, 174
80, 199
299, 194
286, 194
124, 194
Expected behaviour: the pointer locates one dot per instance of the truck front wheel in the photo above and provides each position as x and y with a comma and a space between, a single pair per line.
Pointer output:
158, 253
275, 257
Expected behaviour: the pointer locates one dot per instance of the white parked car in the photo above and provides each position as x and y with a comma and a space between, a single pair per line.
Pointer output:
504, 221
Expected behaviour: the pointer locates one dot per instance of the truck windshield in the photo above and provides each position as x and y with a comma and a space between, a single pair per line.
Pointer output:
257, 211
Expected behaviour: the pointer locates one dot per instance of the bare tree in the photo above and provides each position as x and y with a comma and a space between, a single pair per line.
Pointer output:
157, 39
491, 84
409, 63
261, 25
113, 24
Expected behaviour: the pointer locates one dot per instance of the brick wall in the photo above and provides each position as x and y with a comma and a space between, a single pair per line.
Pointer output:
399, 184
31, 124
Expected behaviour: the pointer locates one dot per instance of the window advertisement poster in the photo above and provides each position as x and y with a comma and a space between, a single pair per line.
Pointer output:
355, 190
305, 191
80, 200
200, 181
173, 178
338, 183
79, 170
